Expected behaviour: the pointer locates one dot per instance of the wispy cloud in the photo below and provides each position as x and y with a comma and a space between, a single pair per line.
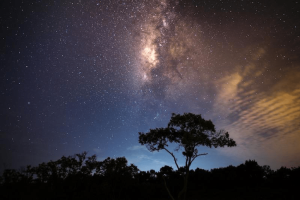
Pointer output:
264, 120
150, 159
137, 147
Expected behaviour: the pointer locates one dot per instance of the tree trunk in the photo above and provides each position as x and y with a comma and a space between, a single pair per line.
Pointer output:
183, 191
167, 188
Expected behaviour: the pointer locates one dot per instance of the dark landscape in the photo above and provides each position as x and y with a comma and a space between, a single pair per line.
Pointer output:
83, 177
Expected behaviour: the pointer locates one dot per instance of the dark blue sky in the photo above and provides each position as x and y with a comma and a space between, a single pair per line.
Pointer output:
89, 75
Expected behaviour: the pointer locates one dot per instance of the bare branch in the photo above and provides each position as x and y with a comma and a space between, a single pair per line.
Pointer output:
202, 154
194, 157
173, 157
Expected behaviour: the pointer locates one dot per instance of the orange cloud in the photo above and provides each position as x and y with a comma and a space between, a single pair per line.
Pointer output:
265, 121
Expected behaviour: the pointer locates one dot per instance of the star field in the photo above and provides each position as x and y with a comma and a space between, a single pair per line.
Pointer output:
89, 75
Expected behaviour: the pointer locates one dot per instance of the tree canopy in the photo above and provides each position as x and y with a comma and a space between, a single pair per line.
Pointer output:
189, 131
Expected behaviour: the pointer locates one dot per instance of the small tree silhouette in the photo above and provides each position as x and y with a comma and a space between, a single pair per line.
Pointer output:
189, 131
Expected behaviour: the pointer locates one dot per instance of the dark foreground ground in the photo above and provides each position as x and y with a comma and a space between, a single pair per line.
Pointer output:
81, 177
150, 193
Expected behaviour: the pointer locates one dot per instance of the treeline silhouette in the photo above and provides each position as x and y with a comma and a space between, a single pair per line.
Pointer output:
83, 177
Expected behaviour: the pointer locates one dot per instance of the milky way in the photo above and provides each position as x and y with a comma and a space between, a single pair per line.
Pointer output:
169, 50
89, 75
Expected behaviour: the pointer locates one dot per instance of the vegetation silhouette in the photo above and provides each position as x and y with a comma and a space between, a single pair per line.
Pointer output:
189, 131
84, 177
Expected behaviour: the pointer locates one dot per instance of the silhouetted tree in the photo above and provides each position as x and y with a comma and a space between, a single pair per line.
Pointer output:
166, 170
11, 176
203, 175
250, 173
189, 131
82, 177
281, 177
117, 176
169, 177
295, 177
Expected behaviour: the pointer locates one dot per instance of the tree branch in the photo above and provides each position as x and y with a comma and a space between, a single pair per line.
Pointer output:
173, 157
201, 154
186, 161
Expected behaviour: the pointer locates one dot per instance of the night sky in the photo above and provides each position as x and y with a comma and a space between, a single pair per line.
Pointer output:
87, 75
